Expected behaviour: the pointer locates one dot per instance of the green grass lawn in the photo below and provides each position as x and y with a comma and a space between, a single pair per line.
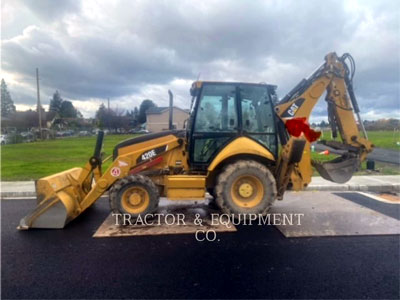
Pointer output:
31, 161
381, 139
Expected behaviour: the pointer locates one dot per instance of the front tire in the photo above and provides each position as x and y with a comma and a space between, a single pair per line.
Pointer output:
245, 187
135, 195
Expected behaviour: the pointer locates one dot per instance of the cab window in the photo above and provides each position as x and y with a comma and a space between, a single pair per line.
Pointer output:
217, 109
257, 115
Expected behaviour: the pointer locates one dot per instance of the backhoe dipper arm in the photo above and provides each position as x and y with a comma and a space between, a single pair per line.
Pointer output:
335, 77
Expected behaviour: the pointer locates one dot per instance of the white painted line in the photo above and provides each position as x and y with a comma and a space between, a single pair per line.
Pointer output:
18, 198
377, 198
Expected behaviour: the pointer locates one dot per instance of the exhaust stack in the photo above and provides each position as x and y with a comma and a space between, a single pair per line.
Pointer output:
171, 110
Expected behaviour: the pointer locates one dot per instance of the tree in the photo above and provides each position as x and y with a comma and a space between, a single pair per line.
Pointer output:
7, 105
113, 119
63, 107
101, 112
144, 106
55, 102
133, 117
323, 124
67, 110
101, 116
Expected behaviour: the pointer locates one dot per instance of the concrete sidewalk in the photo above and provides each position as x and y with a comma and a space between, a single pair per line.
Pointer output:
379, 184
369, 183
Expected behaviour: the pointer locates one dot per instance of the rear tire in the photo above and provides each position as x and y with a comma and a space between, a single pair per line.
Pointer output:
245, 187
135, 195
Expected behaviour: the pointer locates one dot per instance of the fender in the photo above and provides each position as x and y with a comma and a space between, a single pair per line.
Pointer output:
241, 145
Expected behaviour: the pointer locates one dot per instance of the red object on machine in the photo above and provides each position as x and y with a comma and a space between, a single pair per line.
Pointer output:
326, 152
146, 165
297, 126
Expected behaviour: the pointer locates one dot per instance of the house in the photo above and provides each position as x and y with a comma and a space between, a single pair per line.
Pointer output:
157, 118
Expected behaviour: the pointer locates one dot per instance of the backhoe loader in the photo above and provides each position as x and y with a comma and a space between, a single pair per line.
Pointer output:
240, 144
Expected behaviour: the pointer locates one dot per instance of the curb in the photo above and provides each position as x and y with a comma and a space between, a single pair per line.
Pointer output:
388, 188
17, 194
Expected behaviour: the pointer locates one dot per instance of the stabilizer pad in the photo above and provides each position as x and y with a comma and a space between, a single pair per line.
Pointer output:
327, 214
109, 228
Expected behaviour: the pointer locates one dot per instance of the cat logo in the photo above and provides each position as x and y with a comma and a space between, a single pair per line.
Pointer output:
292, 109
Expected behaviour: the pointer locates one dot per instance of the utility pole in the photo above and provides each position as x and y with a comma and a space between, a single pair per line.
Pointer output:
39, 106
108, 114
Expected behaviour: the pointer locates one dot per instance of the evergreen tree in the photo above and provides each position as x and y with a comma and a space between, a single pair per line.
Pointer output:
144, 106
7, 105
67, 110
101, 115
133, 116
55, 102
101, 112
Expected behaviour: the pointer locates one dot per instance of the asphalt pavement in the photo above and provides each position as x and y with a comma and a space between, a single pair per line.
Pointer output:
254, 262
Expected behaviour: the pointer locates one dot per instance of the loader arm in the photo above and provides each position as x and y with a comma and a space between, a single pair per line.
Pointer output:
64, 196
334, 77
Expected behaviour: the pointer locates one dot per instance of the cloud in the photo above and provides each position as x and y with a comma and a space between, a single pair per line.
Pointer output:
50, 10
130, 50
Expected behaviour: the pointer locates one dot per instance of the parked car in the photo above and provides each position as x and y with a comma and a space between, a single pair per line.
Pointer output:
27, 136
84, 133
65, 133
3, 139
69, 133
139, 131
143, 131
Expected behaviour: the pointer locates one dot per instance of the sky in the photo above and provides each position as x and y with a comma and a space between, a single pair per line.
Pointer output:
127, 51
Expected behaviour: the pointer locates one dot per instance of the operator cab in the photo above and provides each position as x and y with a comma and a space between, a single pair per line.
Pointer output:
223, 111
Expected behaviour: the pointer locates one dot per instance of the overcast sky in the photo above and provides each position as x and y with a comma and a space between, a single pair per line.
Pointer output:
132, 50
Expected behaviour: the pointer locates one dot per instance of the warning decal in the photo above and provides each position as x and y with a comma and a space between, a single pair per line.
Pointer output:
115, 172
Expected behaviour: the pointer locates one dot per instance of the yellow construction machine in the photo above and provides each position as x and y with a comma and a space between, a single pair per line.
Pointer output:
240, 144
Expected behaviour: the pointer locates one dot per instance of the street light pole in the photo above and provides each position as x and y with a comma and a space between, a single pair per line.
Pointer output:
39, 106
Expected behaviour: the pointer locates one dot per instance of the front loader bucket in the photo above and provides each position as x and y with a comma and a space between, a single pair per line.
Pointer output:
339, 170
58, 198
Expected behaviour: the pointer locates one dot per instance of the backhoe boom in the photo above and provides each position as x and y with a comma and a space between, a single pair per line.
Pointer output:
335, 78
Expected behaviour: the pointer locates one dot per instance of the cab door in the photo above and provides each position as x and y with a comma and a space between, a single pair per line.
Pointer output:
215, 123
257, 116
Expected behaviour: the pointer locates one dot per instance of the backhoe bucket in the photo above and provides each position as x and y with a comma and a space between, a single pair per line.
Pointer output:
339, 170
58, 198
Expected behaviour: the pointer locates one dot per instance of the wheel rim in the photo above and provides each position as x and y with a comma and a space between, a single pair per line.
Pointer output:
247, 191
135, 200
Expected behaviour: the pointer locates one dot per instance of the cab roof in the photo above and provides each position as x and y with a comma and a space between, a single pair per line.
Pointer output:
196, 85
